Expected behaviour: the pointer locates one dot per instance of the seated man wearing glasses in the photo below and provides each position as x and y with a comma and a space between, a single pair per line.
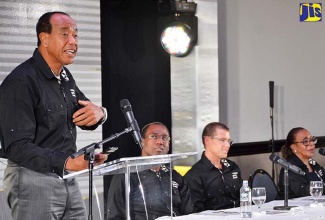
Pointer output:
150, 189
215, 181
299, 150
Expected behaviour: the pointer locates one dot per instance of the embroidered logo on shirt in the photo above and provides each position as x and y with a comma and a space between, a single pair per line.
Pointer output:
225, 162
235, 175
65, 76
174, 184
73, 93
164, 168
312, 162
320, 172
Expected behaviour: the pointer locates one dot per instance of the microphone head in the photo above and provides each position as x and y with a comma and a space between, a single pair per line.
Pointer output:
271, 87
273, 157
125, 105
321, 151
271, 83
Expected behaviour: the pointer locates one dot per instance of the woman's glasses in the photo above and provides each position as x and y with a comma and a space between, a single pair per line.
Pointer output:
306, 141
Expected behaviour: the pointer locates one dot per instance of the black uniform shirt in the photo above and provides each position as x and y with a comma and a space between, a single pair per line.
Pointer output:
211, 188
149, 195
36, 128
299, 184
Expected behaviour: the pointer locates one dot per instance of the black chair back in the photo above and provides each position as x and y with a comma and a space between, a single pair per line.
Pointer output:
260, 178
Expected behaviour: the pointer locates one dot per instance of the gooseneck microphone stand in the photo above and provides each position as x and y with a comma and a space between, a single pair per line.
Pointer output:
286, 192
271, 86
89, 152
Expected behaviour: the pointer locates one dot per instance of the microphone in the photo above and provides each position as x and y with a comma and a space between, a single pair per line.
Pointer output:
271, 86
321, 151
128, 113
286, 164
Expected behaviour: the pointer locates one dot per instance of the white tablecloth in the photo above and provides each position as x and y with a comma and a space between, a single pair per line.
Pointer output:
303, 211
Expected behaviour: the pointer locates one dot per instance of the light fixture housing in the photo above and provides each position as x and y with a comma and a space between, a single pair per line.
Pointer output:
179, 31
182, 6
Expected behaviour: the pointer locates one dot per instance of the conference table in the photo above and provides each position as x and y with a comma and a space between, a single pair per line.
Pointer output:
303, 210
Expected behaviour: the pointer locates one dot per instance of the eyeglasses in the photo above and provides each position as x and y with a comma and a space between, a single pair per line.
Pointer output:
306, 141
163, 138
223, 140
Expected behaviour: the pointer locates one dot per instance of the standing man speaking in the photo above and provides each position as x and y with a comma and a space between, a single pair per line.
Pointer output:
40, 107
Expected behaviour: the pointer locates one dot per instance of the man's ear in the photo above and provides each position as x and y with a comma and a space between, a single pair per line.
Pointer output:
44, 38
206, 139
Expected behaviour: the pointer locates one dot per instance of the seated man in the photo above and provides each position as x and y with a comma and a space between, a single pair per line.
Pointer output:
215, 181
150, 189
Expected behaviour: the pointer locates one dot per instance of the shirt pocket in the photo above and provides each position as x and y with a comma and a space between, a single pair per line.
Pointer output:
236, 184
55, 114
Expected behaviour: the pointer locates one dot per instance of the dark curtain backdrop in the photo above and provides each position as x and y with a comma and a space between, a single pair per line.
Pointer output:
134, 67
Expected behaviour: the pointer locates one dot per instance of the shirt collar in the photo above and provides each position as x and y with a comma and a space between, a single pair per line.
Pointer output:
207, 163
42, 65
296, 161
63, 75
45, 69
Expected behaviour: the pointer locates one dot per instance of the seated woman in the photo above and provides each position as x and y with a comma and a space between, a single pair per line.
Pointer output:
299, 150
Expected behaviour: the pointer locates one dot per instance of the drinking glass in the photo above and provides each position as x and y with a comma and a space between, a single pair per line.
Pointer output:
316, 190
258, 197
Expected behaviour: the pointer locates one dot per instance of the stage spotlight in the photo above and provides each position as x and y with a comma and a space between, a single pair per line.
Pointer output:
179, 32
177, 40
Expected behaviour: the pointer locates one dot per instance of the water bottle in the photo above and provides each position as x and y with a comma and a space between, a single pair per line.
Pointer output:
245, 200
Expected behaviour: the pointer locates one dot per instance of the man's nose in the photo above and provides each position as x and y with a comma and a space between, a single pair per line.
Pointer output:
73, 40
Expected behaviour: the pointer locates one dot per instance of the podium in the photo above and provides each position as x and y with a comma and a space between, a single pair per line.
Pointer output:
137, 165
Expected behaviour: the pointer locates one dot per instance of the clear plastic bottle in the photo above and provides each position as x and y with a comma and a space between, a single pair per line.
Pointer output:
245, 201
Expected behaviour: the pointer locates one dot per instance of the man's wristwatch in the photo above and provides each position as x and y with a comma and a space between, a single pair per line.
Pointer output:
105, 115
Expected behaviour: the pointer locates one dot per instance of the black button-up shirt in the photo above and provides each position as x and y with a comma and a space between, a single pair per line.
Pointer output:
299, 184
149, 194
36, 108
212, 188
